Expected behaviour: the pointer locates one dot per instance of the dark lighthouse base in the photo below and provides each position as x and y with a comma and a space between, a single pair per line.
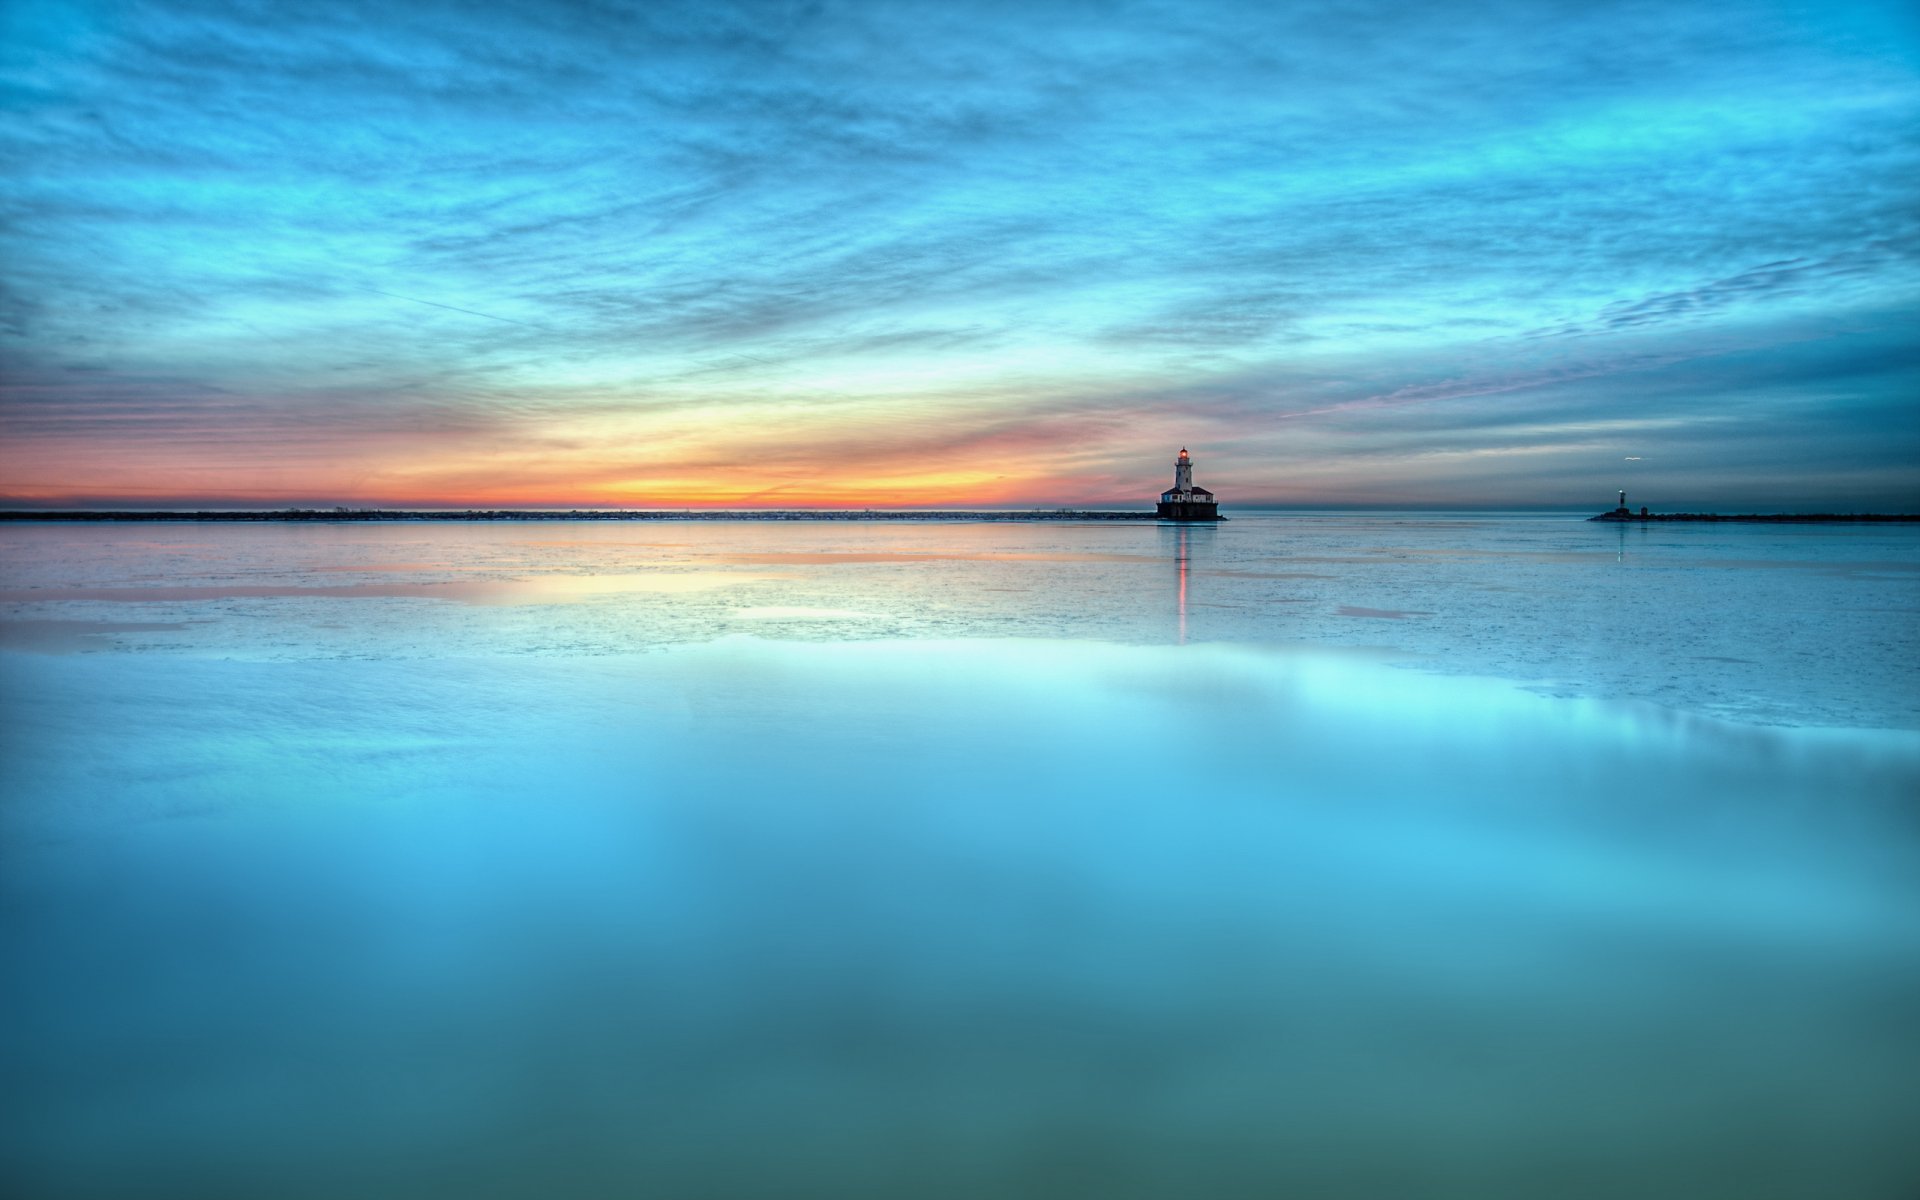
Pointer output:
1189, 510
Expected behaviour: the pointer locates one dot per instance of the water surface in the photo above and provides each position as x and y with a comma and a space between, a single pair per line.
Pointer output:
1325, 855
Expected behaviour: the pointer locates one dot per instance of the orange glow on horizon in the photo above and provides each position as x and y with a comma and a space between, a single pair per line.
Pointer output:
1015, 465
276, 489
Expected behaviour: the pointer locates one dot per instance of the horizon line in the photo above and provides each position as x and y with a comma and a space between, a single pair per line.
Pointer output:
343, 511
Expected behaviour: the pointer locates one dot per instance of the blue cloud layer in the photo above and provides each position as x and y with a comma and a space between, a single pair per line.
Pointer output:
1395, 251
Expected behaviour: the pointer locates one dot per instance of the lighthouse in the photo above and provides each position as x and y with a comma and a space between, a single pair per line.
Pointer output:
1183, 501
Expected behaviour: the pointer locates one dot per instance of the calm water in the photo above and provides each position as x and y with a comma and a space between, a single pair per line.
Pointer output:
1472, 856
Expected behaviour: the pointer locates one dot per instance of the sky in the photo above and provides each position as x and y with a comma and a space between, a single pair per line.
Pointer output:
598, 254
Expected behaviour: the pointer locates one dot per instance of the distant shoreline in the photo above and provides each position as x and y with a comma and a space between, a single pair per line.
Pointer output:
512, 514
1766, 518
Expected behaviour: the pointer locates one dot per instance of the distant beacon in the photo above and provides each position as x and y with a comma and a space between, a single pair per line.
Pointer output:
1183, 501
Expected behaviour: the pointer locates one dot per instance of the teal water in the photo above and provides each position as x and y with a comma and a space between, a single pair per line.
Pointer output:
1319, 855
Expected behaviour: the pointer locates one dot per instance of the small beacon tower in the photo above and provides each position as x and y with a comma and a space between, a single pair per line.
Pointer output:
1183, 501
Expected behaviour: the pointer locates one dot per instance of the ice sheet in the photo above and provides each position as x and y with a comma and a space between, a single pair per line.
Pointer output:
1778, 624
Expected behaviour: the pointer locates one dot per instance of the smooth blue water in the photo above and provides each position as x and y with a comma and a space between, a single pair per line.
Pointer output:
1307, 855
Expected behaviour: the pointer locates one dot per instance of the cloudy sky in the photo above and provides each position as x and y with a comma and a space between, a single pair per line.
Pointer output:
595, 253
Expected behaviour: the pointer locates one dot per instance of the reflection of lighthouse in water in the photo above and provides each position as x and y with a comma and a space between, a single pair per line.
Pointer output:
1183, 501
1191, 549
1180, 561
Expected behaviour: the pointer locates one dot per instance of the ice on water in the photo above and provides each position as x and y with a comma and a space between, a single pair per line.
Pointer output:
1780, 624
1312, 855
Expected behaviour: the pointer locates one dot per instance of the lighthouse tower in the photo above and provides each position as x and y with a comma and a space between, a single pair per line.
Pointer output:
1183, 501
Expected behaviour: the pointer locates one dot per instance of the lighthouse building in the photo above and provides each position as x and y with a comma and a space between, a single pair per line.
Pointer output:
1183, 501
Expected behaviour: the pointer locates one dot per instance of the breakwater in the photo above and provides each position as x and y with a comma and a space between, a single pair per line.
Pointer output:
1763, 518
577, 514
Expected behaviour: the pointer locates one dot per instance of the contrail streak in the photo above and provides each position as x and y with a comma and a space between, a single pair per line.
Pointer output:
451, 308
